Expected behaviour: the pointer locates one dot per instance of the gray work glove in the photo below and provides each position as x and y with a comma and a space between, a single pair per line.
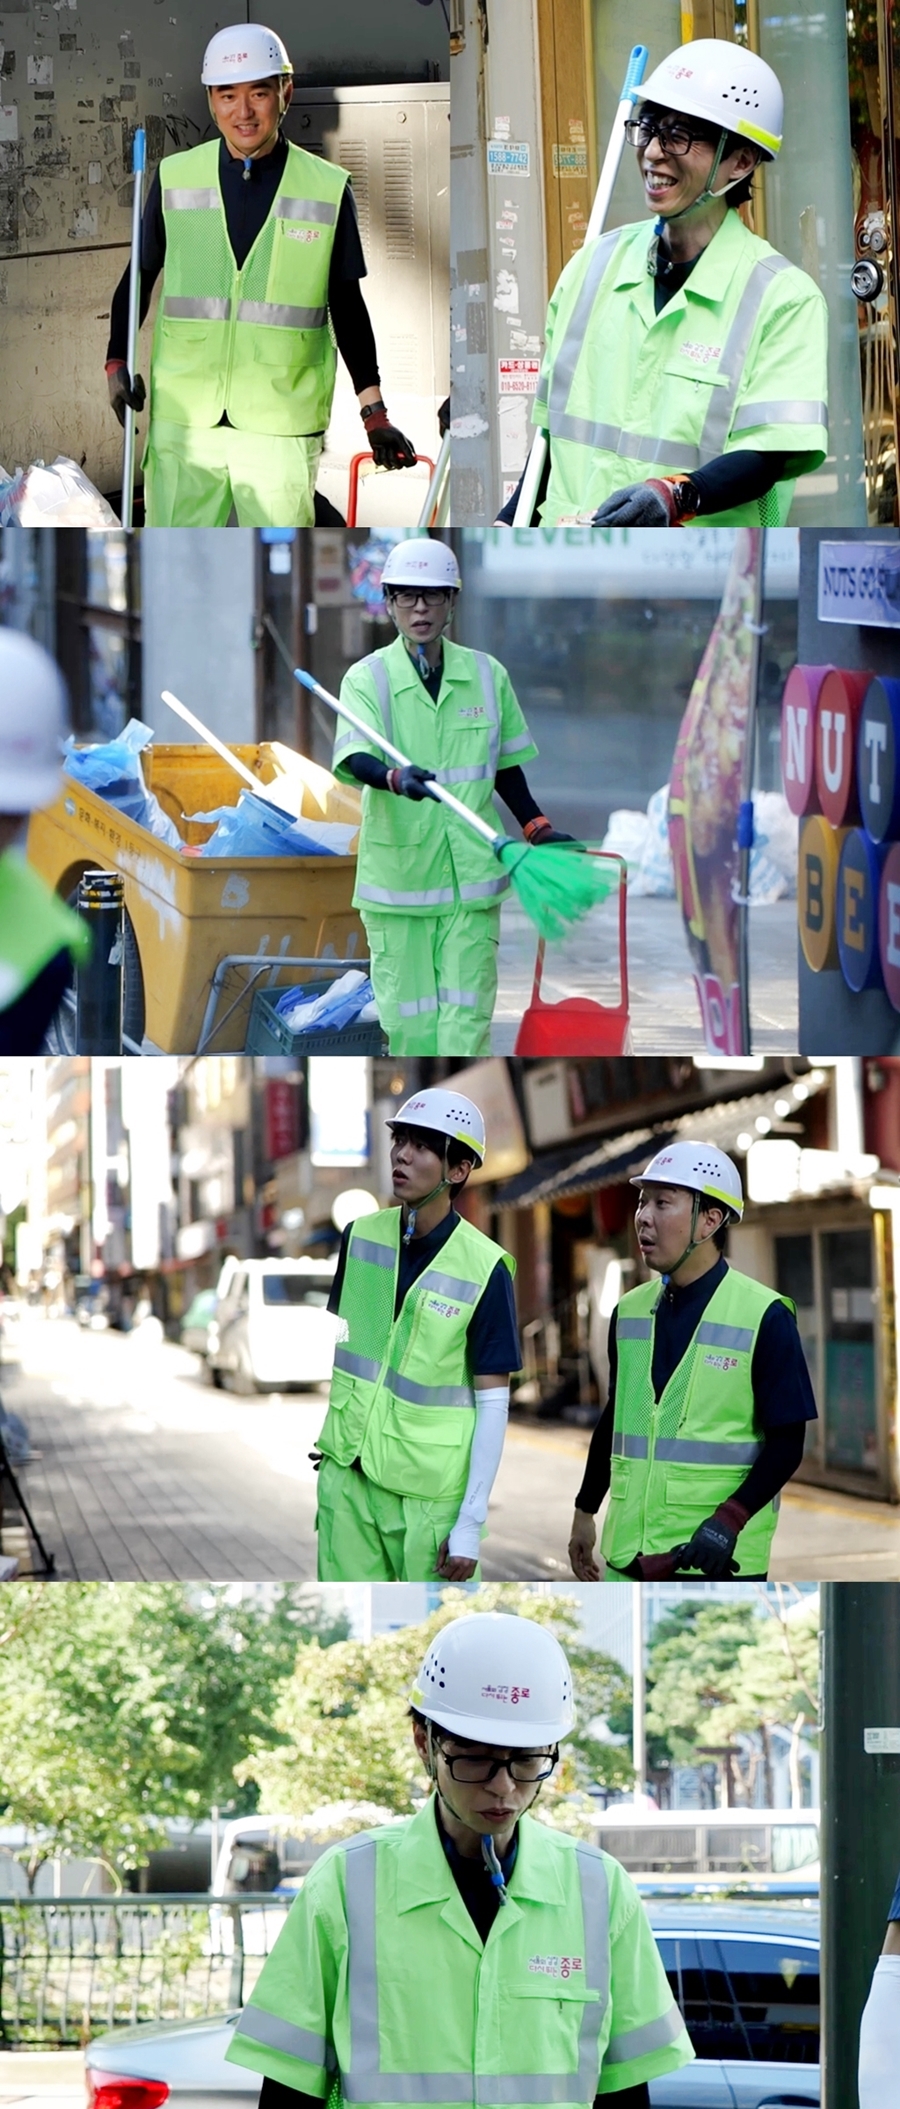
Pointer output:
636, 505
411, 781
124, 394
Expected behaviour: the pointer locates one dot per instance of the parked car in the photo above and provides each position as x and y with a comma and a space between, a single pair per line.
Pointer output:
746, 1978
272, 1330
194, 1328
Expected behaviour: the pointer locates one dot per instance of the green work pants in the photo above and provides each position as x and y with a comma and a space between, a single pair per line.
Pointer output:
367, 1534
194, 476
435, 979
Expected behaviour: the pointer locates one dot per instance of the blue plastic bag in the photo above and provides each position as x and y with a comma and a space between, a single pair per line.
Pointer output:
339, 1006
252, 828
113, 770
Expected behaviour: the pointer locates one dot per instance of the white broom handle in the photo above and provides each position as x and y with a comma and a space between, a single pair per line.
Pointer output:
240, 768
491, 835
434, 496
631, 85
134, 295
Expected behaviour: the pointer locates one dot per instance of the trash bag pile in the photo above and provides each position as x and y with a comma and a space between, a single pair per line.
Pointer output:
113, 770
254, 828
349, 1001
643, 840
54, 494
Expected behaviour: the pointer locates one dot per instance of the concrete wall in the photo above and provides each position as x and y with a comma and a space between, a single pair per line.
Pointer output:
75, 81
198, 602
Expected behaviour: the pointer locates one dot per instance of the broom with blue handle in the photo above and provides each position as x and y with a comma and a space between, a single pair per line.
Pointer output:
556, 885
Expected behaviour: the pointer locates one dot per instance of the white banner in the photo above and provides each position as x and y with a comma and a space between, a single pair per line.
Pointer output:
859, 582
622, 563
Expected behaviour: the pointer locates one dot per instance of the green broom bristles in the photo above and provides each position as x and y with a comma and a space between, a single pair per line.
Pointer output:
556, 885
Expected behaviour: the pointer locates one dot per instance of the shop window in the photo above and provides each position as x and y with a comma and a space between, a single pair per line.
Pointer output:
851, 1439
98, 626
795, 1277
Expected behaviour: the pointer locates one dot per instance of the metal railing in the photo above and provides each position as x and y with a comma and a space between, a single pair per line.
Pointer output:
72, 1966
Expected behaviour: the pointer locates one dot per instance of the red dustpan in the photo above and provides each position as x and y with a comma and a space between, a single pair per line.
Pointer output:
579, 1025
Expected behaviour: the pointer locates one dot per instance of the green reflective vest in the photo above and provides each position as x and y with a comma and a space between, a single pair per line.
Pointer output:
34, 925
675, 1459
402, 1396
415, 858
256, 343
379, 1974
736, 358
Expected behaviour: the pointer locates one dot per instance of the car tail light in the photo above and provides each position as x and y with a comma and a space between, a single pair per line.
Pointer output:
109, 2090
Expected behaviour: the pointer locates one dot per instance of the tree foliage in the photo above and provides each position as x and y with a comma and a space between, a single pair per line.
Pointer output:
345, 1734
717, 1671
121, 1706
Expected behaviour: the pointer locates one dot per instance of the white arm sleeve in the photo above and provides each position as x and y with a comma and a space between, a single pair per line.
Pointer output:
879, 2038
491, 1410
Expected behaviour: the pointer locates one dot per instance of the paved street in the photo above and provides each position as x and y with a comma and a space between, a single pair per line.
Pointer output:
665, 1015
143, 1472
35, 2079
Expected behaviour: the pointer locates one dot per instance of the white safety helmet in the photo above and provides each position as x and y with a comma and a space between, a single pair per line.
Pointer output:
33, 714
446, 1113
724, 84
246, 52
421, 562
702, 1169
497, 1679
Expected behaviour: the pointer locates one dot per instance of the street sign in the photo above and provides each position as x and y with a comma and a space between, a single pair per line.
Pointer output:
859, 583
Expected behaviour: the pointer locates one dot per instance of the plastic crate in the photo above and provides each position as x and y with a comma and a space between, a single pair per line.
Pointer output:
268, 1033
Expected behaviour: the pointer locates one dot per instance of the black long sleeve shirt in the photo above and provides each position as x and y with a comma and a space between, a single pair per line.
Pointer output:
247, 207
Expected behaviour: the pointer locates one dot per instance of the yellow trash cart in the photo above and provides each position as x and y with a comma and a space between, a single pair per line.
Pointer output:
186, 915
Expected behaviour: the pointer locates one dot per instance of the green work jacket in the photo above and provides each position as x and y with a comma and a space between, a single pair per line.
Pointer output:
255, 344
737, 358
34, 926
674, 1460
418, 858
402, 1393
380, 1975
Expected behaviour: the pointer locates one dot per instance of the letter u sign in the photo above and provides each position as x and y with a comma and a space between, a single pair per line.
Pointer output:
840, 705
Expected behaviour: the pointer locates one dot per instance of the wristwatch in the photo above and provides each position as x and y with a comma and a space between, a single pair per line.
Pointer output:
687, 497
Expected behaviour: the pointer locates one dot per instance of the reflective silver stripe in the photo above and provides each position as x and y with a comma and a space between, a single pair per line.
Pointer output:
260, 2027
197, 310
191, 200
717, 422
639, 2042
449, 1285
363, 2081
274, 316
366, 1249
523, 739
381, 678
484, 889
465, 999
417, 1008
676, 1449
356, 1365
439, 897
428, 1394
489, 692
628, 1445
634, 1328
734, 1336
463, 776
305, 209
780, 414
566, 358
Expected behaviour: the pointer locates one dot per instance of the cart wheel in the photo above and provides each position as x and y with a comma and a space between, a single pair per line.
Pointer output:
60, 1036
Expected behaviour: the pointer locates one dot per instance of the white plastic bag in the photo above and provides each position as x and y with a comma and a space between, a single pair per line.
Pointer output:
54, 495
626, 836
656, 875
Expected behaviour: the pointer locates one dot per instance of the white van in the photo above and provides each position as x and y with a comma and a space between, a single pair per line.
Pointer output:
272, 1330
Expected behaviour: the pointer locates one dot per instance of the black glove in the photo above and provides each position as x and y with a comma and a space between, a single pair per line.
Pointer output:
709, 1550
411, 781
637, 505
315, 1458
124, 394
390, 447
548, 834
444, 417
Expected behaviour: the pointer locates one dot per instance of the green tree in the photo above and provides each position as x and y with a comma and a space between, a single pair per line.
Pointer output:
775, 1679
345, 1735
690, 1666
120, 1707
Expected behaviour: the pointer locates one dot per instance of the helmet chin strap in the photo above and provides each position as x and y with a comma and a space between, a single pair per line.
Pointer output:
488, 1848
693, 1244
658, 268
418, 653
412, 1210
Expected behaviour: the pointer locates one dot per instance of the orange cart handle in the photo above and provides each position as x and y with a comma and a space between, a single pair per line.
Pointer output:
353, 493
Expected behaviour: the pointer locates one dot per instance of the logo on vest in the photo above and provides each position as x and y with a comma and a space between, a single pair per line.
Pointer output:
721, 1361
441, 1308
556, 1965
701, 354
303, 234
507, 1693
472, 710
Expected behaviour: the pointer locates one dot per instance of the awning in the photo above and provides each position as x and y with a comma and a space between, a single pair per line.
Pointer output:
579, 1169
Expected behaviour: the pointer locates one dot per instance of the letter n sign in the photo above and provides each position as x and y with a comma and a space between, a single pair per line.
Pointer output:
799, 706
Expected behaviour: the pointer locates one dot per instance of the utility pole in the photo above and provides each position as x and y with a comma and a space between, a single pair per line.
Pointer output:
860, 1717
638, 1694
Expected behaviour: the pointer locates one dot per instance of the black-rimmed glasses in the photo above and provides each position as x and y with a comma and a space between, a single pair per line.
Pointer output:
526, 1767
433, 596
674, 139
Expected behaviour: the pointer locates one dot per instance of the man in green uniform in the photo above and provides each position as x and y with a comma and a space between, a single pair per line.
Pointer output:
468, 1954
709, 1393
39, 935
427, 887
420, 1391
685, 372
260, 249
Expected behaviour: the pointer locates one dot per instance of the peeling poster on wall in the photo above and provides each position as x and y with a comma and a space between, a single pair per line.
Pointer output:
9, 121
40, 72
